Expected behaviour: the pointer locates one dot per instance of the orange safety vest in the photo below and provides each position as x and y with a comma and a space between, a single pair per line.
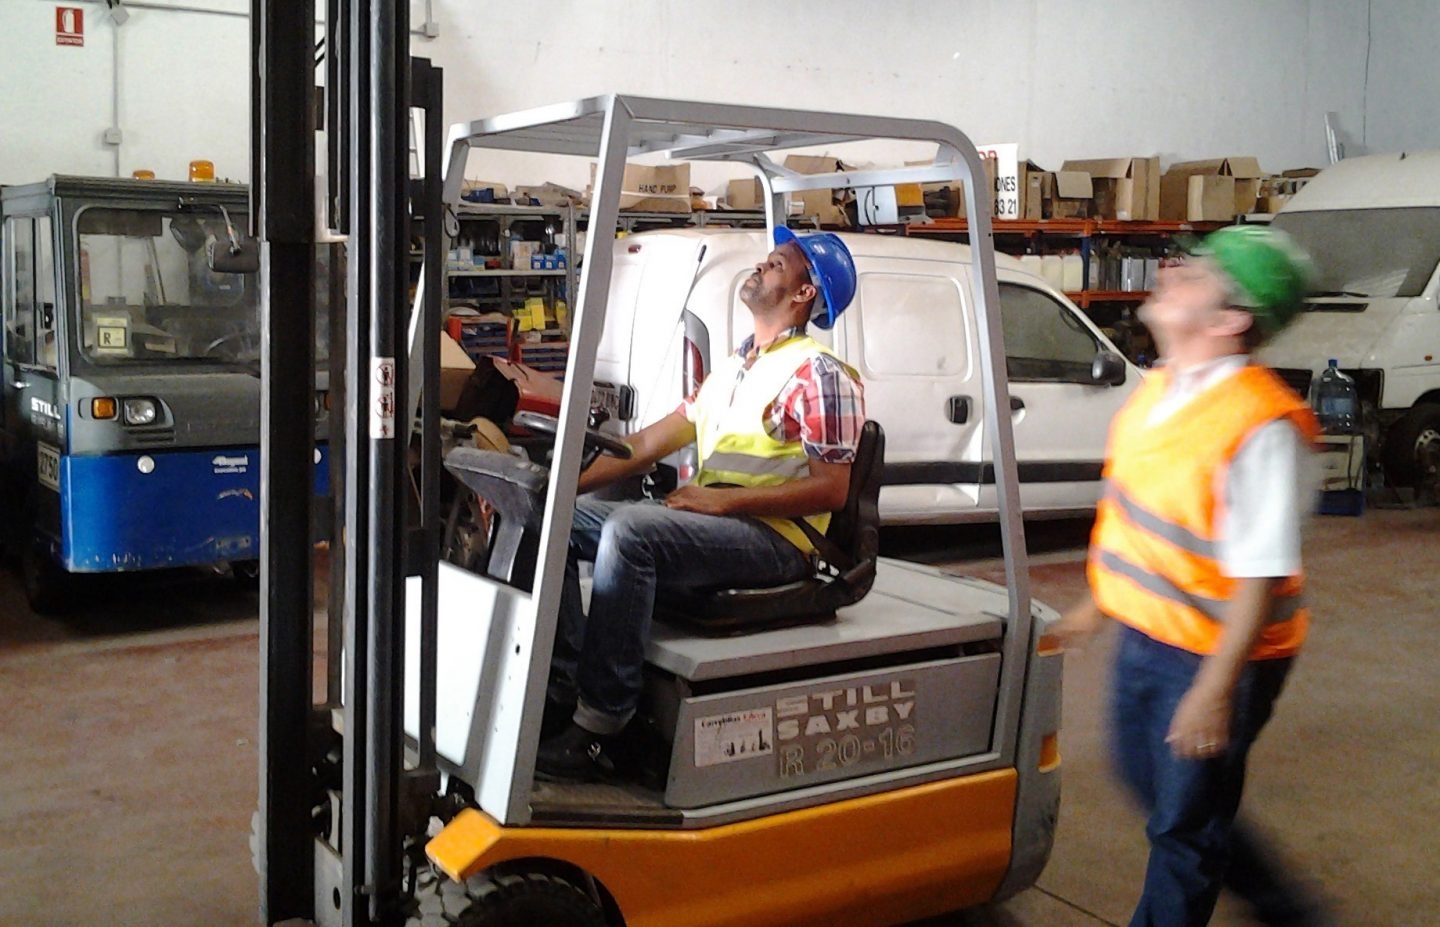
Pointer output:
1153, 556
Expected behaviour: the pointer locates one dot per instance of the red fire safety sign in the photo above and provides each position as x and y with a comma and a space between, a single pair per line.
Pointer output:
69, 25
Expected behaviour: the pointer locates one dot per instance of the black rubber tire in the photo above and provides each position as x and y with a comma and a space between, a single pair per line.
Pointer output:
531, 899
1412, 447
246, 573
47, 587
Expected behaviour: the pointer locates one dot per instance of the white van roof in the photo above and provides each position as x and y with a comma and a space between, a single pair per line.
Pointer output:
859, 243
1373, 182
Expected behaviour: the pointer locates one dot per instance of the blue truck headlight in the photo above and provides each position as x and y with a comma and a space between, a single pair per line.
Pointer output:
140, 411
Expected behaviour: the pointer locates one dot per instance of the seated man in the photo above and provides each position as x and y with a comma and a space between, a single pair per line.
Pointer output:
776, 426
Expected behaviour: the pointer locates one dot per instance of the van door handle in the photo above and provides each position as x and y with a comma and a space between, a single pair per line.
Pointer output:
1016, 403
957, 409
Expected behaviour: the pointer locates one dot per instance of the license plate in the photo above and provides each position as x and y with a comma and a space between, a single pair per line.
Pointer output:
47, 466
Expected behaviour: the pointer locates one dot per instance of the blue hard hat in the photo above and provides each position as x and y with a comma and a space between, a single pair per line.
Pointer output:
832, 271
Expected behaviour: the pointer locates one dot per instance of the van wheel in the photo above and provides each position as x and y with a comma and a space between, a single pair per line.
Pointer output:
530, 899
47, 586
1412, 448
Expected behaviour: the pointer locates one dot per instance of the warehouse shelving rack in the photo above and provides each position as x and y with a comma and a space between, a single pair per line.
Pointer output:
1035, 235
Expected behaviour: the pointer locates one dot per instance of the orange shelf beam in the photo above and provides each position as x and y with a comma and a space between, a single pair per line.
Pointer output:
1085, 298
1063, 227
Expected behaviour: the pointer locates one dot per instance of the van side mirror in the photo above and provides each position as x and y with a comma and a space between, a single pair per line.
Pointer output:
239, 255
1107, 369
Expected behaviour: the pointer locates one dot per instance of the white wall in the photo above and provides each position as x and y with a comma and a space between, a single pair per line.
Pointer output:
1064, 78
1404, 77
184, 90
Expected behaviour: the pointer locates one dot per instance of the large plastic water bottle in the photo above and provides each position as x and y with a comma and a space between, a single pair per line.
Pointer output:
1337, 401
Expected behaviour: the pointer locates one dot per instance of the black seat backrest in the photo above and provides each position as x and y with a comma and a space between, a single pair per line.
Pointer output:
855, 529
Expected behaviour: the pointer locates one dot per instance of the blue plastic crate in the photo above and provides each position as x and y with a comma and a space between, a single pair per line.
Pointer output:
1342, 502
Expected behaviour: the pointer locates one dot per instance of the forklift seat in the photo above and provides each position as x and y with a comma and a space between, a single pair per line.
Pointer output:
845, 570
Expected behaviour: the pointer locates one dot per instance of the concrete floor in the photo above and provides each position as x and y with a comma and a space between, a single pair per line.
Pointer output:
128, 771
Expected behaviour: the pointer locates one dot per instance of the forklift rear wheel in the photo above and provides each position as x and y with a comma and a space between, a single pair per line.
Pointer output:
47, 587
529, 899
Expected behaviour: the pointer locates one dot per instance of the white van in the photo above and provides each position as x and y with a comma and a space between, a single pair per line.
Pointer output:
911, 332
1372, 226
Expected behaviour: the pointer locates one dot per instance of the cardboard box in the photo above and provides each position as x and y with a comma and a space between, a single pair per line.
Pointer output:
653, 188
828, 206
455, 369
1034, 193
1065, 194
660, 188
1248, 180
1246, 183
1125, 188
547, 194
1197, 198
1274, 192
745, 194
521, 252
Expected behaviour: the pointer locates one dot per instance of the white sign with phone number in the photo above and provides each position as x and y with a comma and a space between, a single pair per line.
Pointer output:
1007, 178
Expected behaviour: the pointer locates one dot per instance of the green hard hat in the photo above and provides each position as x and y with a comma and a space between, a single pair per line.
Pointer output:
1268, 272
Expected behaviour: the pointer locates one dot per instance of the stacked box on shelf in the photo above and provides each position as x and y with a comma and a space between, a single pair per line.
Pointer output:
484, 336
547, 356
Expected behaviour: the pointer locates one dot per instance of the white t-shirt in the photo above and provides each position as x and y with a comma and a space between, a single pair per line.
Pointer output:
1268, 489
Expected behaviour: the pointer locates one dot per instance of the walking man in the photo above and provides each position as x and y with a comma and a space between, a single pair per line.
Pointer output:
1196, 553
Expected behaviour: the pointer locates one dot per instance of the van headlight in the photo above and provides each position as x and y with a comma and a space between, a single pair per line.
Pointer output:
140, 411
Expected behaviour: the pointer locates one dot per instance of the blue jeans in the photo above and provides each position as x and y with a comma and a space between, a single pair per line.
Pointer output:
1196, 845
637, 547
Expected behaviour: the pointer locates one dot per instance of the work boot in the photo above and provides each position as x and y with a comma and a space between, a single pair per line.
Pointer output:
577, 755
556, 717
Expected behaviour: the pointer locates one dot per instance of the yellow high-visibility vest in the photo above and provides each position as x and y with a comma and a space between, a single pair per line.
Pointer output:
1154, 555
730, 431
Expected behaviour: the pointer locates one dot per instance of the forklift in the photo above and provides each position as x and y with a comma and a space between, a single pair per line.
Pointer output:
871, 746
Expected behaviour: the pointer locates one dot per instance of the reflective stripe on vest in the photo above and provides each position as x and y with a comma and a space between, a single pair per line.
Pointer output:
1154, 557
1144, 518
730, 436
1283, 606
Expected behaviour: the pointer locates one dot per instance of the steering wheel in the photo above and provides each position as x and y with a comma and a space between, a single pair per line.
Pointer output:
240, 337
597, 442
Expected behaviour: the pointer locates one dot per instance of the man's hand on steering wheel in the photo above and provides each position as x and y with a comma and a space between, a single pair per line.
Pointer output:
597, 442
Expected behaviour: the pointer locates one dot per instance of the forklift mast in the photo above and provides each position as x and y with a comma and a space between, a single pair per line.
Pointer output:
357, 786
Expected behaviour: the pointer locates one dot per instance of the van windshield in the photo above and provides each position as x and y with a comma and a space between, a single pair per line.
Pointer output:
1374, 253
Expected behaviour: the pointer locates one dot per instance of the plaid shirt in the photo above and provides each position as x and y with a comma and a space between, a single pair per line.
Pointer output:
822, 406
